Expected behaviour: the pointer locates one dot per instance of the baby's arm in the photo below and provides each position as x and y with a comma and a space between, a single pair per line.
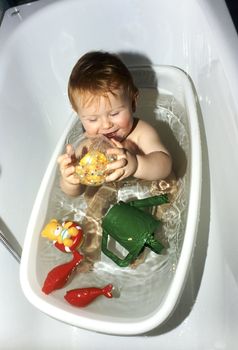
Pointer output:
155, 162
69, 182
153, 166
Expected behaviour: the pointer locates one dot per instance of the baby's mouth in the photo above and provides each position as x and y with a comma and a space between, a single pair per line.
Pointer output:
111, 135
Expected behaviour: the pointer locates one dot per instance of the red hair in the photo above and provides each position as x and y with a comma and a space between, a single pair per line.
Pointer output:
96, 73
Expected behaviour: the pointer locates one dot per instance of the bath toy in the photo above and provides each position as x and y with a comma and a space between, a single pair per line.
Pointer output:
91, 167
60, 274
83, 296
66, 236
132, 227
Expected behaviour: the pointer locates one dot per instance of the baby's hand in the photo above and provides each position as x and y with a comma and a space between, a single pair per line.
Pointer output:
125, 164
67, 166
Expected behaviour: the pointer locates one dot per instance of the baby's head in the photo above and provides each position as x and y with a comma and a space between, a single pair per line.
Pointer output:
98, 74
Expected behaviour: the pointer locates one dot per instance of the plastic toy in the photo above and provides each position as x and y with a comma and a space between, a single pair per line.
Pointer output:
60, 274
66, 236
93, 161
92, 168
132, 227
83, 296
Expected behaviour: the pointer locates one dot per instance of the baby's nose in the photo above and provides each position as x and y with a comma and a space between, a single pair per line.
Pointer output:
106, 123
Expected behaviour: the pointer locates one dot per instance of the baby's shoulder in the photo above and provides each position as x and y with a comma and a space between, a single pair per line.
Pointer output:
142, 122
144, 128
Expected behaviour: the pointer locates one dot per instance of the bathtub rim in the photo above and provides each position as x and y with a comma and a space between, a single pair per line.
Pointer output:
178, 282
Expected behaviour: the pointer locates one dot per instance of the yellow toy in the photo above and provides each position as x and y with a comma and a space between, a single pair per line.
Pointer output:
66, 236
92, 162
92, 168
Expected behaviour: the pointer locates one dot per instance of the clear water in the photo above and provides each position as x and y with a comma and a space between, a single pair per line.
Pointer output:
148, 282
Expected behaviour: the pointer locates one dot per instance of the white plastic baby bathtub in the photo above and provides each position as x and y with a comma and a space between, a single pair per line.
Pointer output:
157, 289
39, 45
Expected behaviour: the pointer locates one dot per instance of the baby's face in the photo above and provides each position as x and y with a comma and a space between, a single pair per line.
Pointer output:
109, 115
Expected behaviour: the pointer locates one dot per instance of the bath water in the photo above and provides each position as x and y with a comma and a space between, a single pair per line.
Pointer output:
133, 285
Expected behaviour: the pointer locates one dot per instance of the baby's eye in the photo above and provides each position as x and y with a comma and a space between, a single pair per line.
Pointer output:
114, 114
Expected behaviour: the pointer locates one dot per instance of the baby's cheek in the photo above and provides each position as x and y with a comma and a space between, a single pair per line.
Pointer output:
126, 123
90, 128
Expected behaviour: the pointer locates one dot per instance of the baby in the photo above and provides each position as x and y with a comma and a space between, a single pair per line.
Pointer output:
102, 92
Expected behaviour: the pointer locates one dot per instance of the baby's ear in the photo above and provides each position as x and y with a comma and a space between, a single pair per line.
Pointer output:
134, 102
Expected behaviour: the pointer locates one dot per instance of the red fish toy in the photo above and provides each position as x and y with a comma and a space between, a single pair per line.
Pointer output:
83, 296
59, 275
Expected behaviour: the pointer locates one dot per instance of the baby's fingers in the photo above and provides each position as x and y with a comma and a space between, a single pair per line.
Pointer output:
73, 180
64, 162
69, 171
118, 153
69, 156
117, 164
68, 174
116, 175
61, 158
70, 152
